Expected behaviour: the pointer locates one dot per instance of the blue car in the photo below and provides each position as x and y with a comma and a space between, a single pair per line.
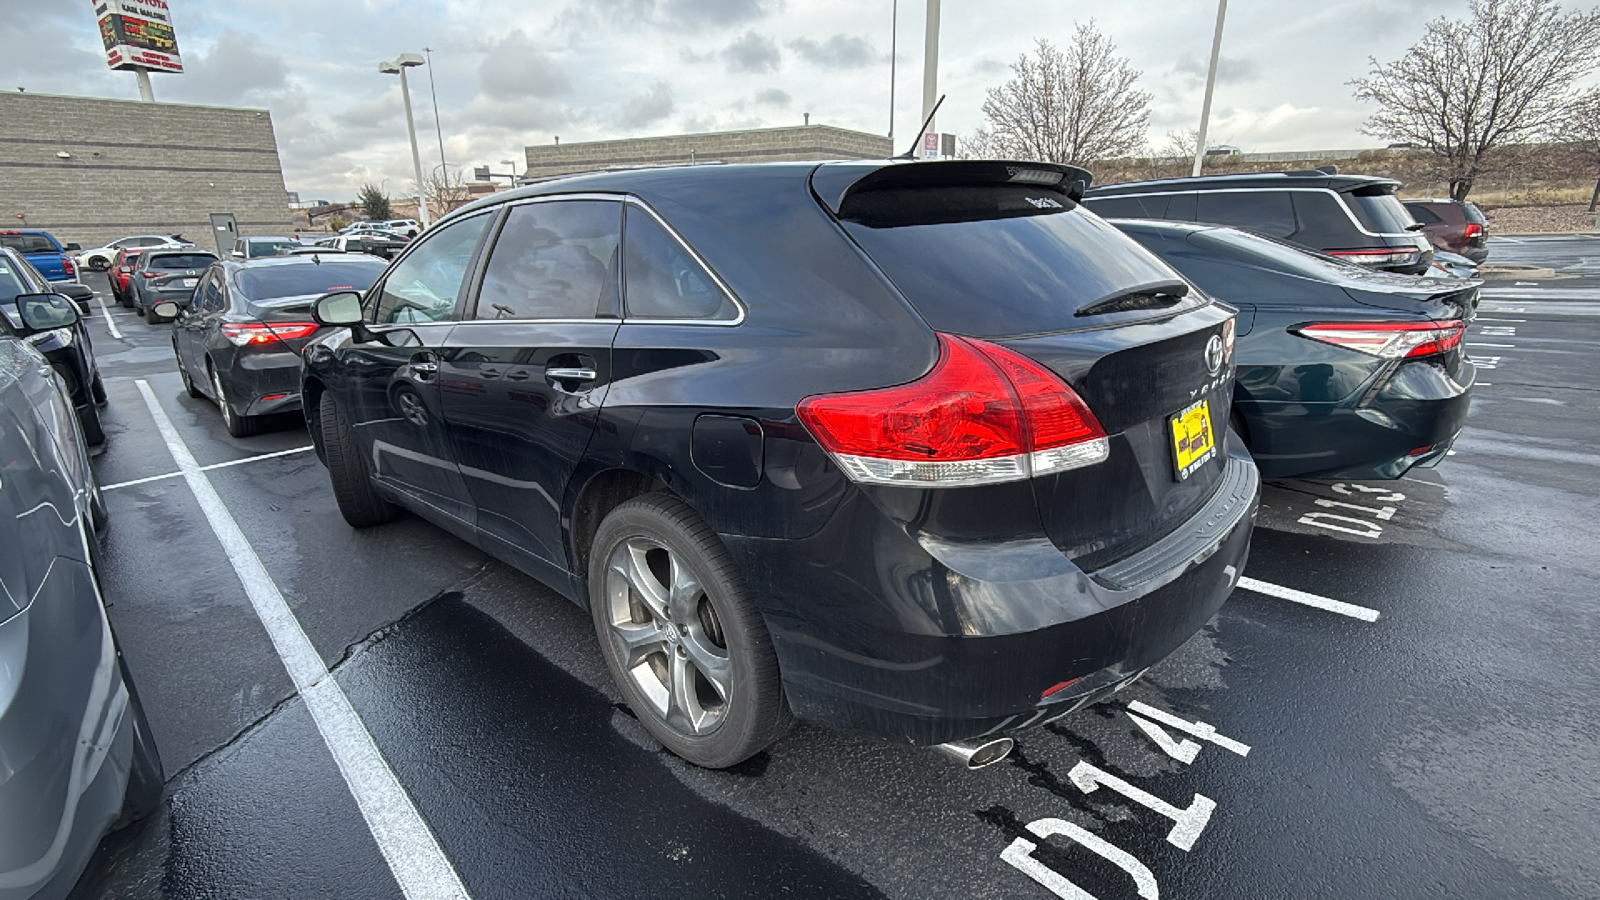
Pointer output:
76, 755
43, 252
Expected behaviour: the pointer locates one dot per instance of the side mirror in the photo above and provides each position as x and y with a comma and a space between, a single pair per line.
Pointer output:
42, 312
74, 290
166, 309
72, 247
124, 269
238, 254
340, 308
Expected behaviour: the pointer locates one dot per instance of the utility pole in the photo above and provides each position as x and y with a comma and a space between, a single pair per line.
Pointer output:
930, 66
1211, 82
438, 129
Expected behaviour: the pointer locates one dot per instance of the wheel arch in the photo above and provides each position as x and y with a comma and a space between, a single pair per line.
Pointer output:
601, 493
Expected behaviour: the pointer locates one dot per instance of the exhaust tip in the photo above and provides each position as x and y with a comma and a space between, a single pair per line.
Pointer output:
979, 753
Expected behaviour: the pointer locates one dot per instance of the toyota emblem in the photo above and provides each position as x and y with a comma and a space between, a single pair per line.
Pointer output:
1214, 354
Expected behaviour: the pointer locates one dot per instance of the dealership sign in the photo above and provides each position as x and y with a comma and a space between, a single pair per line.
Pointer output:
138, 35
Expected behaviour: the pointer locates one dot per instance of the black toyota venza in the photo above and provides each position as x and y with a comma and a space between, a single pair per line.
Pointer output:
921, 450
1343, 372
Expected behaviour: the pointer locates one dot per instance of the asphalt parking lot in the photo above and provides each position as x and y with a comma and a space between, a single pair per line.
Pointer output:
1400, 701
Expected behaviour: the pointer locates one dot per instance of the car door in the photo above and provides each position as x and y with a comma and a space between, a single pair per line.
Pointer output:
389, 385
523, 376
199, 325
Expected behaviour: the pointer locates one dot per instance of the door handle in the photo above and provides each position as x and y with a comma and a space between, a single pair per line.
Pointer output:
572, 374
518, 375
424, 368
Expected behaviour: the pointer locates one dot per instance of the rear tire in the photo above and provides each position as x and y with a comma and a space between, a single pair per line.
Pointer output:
358, 498
188, 383
152, 317
89, 418
96, 264
98, 390
237, 425
666, 597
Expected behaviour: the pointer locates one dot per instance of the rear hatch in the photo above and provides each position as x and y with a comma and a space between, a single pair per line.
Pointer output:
1002, 253
1379, 211
176, 273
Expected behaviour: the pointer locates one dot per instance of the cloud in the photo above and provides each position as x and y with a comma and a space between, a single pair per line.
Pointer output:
774, 97
235, 70
752, 53
513, 68
653, 105
838, 52
1230, 70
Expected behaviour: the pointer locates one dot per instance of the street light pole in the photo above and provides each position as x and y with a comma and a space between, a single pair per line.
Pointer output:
894, 36
433, 92
399, 66
930, 66
1211, 82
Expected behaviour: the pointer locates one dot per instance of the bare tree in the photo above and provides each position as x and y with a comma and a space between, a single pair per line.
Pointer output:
1582, 129
1080, 106
1181, 145
445, 190
1470, 88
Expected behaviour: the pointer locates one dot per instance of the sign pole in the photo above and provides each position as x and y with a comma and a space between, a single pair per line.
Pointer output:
145, 92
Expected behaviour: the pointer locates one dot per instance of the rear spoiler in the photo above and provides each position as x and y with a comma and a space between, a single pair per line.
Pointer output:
833, 183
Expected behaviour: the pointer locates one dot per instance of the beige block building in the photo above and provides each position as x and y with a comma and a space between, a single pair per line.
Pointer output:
799, 142
90, 170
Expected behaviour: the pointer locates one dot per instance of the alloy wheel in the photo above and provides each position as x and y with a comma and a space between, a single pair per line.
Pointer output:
668, 636
222, 398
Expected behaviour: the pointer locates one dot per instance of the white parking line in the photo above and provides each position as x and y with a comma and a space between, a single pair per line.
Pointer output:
1501, 346
111, 324
1292, 595
220, 465
408, 845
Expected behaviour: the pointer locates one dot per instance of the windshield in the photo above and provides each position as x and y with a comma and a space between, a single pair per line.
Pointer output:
996, 260
1379, 211
180, 261
312, 278
27, 243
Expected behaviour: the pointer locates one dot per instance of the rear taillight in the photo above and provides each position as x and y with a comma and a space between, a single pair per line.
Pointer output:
1389, 340
152, 274
1377, 257
1473, 230
69, 268
242, 334
983, 415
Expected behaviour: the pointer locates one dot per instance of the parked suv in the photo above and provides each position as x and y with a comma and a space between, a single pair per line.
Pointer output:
918, 449
1355, 217
99, 259
1453, 225
161, 274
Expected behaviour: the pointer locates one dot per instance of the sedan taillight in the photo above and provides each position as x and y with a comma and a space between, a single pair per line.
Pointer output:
1389, 340
983, 415
242, 334
1377, 257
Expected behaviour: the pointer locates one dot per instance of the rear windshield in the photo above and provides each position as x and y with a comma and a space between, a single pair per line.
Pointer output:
996, 259
27, 243
313, 278
180, 261
1281, 256
270, 248
1379, 211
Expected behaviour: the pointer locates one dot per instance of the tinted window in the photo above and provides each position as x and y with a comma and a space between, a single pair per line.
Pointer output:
1148, 206
27, 243
996, 260
555, 260
255, 249
1269, 212
425, 285
1473, 213
1379, 211
663, 281
272, 281
1423, 214
209, 294
149, 242
181, 261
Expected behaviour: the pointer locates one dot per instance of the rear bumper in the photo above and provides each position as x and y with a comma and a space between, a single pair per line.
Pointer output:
1411, 417
255, 377
65, 735
923, 641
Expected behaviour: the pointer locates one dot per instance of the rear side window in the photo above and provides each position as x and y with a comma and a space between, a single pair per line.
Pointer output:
27, 243
1379, 211
1145, 206
1474, 214
1423, 214
1267, 212
555, 260
996, 259
182, 261
663, 281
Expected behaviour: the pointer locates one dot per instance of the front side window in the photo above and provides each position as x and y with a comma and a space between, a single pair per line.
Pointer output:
425, 285
554, 260
1267, 212
662, 281
27, 243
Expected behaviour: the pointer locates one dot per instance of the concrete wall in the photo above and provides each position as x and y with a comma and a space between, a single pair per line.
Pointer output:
759, 145
136, 168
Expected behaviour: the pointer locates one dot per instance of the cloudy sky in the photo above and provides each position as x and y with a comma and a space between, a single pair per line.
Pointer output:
516, 72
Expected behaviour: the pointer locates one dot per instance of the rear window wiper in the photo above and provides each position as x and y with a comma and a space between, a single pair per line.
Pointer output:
1151, 295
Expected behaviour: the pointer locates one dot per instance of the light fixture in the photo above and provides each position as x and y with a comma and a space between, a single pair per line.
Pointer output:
62, 154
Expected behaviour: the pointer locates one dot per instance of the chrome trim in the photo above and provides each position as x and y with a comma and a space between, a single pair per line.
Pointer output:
1255, 190
561, 374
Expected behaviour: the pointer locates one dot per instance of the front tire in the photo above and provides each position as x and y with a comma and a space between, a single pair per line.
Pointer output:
146, 780
89, 417
358, 498
96, 264
683, 640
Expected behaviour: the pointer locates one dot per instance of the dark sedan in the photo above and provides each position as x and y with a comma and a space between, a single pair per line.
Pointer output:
903, 448
161, 275
76, 755
63, 338
238, 341
1344, 372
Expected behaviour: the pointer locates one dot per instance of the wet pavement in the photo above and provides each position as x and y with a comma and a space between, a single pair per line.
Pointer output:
1428, 733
